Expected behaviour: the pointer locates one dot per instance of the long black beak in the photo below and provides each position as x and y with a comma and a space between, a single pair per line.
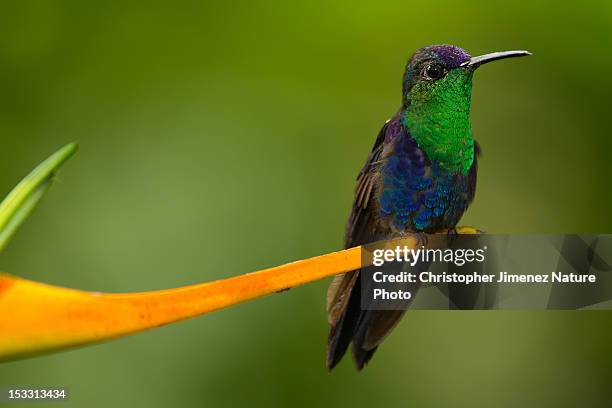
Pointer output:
475, 62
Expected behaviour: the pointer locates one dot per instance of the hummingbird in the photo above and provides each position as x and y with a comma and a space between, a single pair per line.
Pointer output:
420, 177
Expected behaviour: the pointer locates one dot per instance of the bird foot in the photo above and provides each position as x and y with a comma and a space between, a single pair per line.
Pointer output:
452, 235
422, 239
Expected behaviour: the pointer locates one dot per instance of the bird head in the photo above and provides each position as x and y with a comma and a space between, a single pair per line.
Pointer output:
437, 72
437, 97
440, 73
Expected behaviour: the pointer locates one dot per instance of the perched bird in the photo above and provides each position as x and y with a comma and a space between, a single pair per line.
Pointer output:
419, 177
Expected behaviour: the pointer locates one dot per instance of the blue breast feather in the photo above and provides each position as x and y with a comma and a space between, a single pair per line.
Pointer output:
418, 195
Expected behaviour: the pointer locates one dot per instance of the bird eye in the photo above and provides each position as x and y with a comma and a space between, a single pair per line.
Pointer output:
433, 71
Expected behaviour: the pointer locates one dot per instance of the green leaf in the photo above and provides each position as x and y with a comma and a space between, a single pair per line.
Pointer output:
20, 202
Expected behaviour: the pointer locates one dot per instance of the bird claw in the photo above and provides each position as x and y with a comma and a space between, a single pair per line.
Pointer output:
422, 239
452, 234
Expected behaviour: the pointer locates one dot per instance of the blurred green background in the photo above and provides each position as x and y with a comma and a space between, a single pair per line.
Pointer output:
220, 137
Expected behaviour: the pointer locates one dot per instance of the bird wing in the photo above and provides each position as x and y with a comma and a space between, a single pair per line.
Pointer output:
356, 229
343, 294
356, 234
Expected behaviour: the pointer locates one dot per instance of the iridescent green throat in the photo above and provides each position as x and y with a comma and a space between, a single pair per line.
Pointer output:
438, 118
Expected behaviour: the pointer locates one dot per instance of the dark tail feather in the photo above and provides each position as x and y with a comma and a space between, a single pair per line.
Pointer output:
371, 329
341, 334
362, 356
